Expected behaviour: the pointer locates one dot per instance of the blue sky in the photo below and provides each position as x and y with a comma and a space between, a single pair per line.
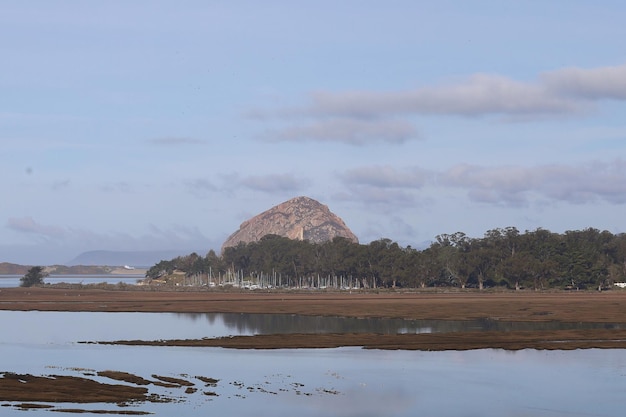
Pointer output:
157, 125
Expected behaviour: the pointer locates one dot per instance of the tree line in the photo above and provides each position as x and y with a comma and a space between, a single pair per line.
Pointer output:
503, 257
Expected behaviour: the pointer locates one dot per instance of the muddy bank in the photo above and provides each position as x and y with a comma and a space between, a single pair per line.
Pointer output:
62, 388
84, 389
123, 393
41, 391
572, 306
561, 340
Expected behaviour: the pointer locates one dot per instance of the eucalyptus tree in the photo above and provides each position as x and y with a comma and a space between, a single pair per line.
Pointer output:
481, 259
452, 250
386, 260
214, 264
616, 251
547, 250
426, 267
586, 263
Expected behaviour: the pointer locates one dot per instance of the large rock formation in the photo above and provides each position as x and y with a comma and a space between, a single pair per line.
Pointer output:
299, 218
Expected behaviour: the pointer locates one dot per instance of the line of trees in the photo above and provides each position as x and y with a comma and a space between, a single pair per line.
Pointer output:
537, 259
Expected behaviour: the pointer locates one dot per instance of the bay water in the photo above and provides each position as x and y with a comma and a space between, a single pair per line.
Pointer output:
309, 382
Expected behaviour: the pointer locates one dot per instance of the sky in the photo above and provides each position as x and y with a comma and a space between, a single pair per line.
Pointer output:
159, 125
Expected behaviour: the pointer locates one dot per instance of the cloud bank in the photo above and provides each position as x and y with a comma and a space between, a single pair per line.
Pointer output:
588, 84
507, 185
367, 117
76, 240
348, 131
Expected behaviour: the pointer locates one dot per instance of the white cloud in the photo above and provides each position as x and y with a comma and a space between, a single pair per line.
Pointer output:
200, 187
58, 244
516, 185
387, 177
30, 226
506, 185
346, 130
364, 117
273, 183
592, 84
383, 188
479, 94
380, 199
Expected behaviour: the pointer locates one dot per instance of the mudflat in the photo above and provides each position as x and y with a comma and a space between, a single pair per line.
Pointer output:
607, 307
566, 306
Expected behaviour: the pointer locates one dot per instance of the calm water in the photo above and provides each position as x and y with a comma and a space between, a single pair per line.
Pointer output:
311, 382
11, 281
44, 327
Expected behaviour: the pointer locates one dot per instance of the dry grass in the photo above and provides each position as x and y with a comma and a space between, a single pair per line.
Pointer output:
607, 307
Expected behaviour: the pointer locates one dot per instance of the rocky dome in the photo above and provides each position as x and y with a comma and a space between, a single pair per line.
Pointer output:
299, 218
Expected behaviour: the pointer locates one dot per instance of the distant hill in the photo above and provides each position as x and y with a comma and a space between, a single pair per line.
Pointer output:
130, 258
12, 269
300, 218
15, 269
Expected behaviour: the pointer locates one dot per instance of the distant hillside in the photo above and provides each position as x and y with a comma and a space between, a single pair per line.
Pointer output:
131, 258
79, 270
13, 269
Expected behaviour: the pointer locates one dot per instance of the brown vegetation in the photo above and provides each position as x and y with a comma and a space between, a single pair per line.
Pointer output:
61, 388
566, 306
30, 391
588, 307
554, 340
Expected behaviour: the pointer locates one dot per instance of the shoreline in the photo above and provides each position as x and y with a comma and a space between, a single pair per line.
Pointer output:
26, 391
570, 307
566, 306
514, 340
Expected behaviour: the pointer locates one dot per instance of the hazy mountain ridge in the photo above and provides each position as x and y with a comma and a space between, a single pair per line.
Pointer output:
99, 262
7, 268
130, 258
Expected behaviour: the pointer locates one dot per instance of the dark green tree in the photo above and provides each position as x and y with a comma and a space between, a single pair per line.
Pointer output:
163, 268
34, 276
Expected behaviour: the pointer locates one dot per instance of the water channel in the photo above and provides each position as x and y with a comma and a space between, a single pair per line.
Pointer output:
313, 382
12, 281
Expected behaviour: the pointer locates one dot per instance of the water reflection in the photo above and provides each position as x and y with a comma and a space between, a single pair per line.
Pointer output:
316, 382
242, 324
55, 327
355, 382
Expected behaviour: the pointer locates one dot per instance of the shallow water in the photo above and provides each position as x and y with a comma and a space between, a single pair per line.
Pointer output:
67, 327
13, 281
312, 382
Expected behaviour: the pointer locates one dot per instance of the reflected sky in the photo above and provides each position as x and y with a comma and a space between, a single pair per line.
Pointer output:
315, 382
13, 281
69, 327
356, 382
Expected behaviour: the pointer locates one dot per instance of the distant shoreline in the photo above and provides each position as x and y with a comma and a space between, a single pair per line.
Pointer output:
134, 271
16, 269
